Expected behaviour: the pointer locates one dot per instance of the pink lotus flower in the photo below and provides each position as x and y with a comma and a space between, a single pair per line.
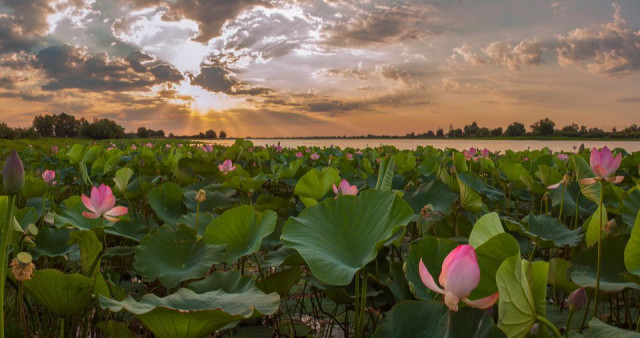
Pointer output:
299, 154
359, 152
149, 145
168, 146
485, 152
460, 275
133, 147
604, 165
349, 157
49, 177
102, 204
54, 150
315, 156
278, 149
180, 145
308, 150
226, 167
345, 189
469, 154
208, 148
563, 157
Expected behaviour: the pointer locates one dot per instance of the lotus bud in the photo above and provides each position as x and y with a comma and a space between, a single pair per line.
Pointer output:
201, 196
577, 300
13, 174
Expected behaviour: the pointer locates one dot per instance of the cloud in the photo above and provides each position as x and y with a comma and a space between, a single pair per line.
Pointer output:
218, 79
383, 24
628, 99
210, 15
527, 52
68, 66
610, 48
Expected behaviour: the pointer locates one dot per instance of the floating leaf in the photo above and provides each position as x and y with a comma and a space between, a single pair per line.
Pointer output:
166, 201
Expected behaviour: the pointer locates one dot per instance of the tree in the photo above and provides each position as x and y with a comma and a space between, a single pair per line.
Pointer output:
455, 132
6, 132
440, 132
543, 127
223, 135
102, 129
471, 130
496, 131
65, 125
430, 134
143, 132
210, 134
516, 129
44, 125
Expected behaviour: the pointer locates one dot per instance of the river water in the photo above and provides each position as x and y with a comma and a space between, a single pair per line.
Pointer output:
493, 145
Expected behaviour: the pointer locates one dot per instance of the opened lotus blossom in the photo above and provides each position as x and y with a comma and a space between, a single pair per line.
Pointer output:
299, 154
469, 154
460, 275
563, 157
54, 150
102, 204
604, 165
226, 167
485, 152
345, 189
349, 156
49, 177
315, 156
208, 148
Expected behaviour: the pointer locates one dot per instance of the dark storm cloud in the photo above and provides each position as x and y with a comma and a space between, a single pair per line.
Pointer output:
218, 79
210, 15
30, 15
71, 67
12, 38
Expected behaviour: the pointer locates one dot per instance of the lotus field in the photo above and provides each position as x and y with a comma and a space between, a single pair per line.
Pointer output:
161, 239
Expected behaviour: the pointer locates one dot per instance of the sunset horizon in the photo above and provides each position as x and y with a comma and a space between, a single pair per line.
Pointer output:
286, 68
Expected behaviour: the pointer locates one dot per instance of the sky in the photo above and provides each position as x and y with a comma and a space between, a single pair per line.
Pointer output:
321, 67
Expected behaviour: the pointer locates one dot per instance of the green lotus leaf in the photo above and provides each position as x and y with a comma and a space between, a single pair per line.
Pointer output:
491, 254
485, 227
339, 236
559, 274
166, 201
131, 227
632, 250
281, 281
612, 277
546, 232
599, 329
469, 199
52, 242
63, 294
313, 185
522, 286
433, 319
228, 281
186, 314
631, 207
175, 255
432, 251
26, 216
594, 225
435, 193
122, 177
33, 187
473, 181
241, 229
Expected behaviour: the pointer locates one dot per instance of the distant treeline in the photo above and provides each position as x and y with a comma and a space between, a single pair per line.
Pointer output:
64, 125
542, 128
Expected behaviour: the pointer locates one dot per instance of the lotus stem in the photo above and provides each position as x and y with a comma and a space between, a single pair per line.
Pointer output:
568, 325
6, 232
548, 324
595, 306
561, 201
197, 213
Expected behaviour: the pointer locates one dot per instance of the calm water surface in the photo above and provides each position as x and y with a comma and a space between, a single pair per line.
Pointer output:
493, 145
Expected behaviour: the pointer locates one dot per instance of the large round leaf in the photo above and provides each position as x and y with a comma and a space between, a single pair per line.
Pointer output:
228, 281
433, 319
631, 207
485, 227
63, 294
491, 254
522, 286
241, 229
435, 193
612, 277
52, 242
188, 314
175, 255
432, 251
337, 237
166, 201
313, 185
